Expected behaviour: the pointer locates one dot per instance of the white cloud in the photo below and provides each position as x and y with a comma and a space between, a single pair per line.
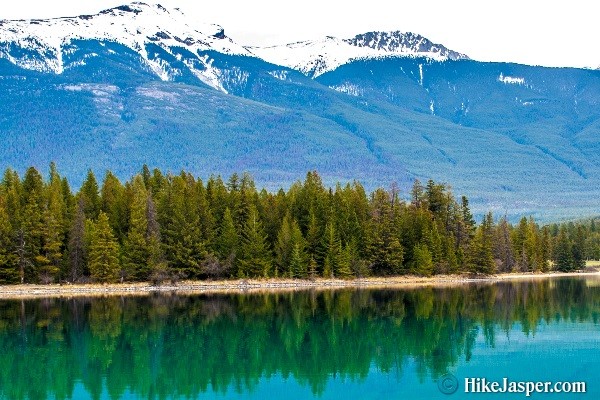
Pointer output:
552, 33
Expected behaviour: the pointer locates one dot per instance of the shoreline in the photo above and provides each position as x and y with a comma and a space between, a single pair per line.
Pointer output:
32, 291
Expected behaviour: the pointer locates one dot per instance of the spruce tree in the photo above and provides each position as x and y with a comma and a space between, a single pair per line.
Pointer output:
77, 247
290, 250
331, 250
103, 252
114, 202
156, 258
480, 256
54, 224
136, 250
502, 246
228, 240
255, 257
422, 259
181, 228
9, 272
578, 249
90, 195
563, 258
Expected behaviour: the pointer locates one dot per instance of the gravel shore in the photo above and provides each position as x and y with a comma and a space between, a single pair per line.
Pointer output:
255, 285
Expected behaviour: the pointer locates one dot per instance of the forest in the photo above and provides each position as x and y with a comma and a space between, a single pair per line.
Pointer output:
165, 227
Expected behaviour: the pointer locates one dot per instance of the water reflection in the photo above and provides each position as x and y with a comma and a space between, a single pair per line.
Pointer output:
164, 346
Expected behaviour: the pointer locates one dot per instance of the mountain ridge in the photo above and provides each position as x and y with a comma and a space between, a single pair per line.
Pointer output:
513, 138
317, 57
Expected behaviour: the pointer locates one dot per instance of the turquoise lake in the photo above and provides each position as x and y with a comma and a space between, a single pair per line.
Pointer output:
338, 344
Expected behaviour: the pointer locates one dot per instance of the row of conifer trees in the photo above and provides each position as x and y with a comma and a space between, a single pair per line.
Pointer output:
162, 226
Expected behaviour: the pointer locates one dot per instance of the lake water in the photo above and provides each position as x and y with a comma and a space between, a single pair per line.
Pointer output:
342, 344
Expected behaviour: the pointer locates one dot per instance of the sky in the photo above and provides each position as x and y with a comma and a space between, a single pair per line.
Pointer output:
550, 33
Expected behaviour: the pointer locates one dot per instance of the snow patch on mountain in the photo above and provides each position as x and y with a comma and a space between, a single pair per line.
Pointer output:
314, 58
42, 45
348, 88
511, 80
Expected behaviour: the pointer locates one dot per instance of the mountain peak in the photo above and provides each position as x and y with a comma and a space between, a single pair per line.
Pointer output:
314, 58
400, 42
44, 44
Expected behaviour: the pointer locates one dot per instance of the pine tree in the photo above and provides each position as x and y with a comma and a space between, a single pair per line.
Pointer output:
343, 264
449, 255
54, 224
77, 246
578, 249
32, 230
297, 262
313, 236
290, 250
544, 250
563, 258
91, 197
181, 227
114, 202
384, 250
332, 248
480, 256
283, 249
255, 257
103, 253
422, 259
136, 251
503, 249
9, 272
228, 240
156, 258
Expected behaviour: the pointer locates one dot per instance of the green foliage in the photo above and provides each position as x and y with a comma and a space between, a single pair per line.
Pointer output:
422, 259
161, 227
103, 252
255, 257
563, 258
137, 247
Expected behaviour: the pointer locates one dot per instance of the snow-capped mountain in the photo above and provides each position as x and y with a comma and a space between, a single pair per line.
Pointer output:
163, 37
47, 45
314, 58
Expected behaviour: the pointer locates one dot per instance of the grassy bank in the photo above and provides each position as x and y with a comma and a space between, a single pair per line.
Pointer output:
266, 285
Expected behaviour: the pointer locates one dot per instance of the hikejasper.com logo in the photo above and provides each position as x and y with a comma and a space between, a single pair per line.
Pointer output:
449, 384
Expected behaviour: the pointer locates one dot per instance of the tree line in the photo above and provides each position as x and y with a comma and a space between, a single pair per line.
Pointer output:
159, 226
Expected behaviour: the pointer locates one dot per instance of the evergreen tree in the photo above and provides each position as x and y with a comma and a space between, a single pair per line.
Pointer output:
503, 249
481, 257
136, 249
228, 240
114, 202
156, 259
544, 250
384, 250
332, 248
563, 258
77, 245
9, 271
313, 236
255, 257
103, 254
578, 249
54, 228
423, 262
91, 197
32, 231
290, 243
182, 231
